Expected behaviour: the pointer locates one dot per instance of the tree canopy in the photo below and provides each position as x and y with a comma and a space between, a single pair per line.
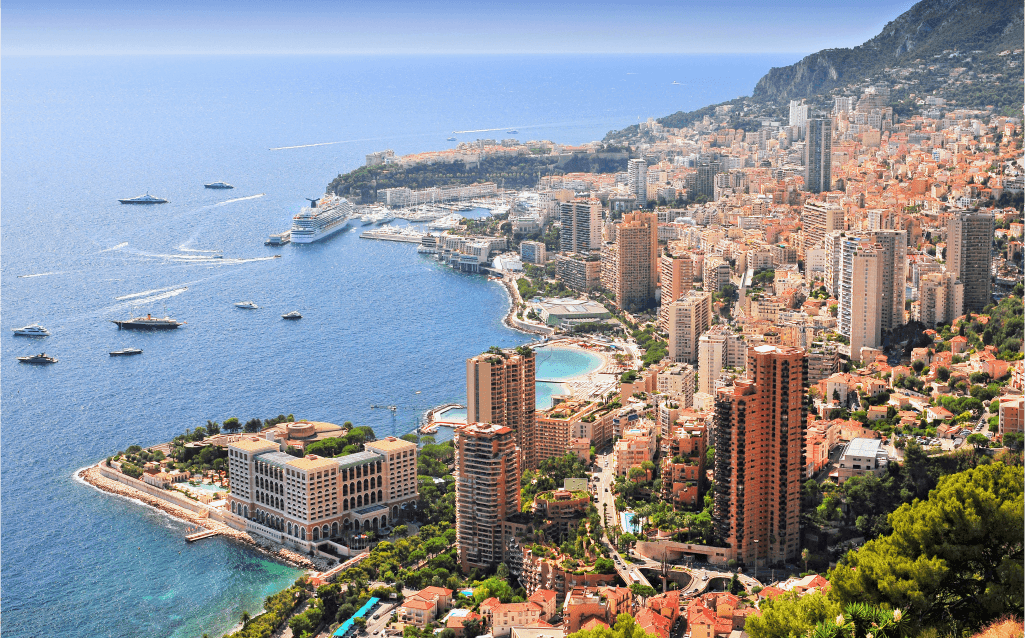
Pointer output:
957, 554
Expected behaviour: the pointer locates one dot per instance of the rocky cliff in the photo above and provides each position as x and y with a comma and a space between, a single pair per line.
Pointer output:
928, 29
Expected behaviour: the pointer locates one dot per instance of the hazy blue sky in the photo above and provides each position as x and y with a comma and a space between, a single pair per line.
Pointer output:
447, 26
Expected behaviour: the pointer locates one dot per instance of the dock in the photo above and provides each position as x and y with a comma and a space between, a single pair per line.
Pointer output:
206, 533
391, 235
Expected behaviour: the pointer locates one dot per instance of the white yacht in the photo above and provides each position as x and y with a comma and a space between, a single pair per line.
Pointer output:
292, 315
248, 305
367, 219
34, 330
323, 217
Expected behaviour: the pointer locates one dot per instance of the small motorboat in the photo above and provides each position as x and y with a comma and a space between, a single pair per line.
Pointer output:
126, 352
33, 330
248, 305
42, 357
220, 185
292, 315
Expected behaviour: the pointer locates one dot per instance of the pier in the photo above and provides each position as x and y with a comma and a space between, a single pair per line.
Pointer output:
391, 235
200, 535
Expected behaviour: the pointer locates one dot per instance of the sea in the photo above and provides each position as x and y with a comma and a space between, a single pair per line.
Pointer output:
381, 324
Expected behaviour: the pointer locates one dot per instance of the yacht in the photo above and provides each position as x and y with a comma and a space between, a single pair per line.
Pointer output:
218, 185
324, 216
143, 199
248, 305
292, 315
512, 132
367, 219
42, 357
126, 352
451, 139
149, 322
34, 330
278, 239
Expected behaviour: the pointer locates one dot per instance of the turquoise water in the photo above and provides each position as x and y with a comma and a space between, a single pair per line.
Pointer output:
380, 321
554, 362
624, 519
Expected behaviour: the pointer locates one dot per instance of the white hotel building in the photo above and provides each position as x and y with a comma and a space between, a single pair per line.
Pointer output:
306, 500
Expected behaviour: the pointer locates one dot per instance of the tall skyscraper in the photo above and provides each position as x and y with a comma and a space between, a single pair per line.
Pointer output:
893, 283
818, 219
798, 114
689, 316
818, 155
487, 491
637, 180
500, 390
581, 225
636, 258
760, 424
860, 308
677, 277
970, 256
707, 170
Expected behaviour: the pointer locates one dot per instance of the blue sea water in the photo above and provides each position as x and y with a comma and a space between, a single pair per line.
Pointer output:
380, 322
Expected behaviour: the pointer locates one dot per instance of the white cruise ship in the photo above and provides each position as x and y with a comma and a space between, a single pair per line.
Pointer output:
321, 218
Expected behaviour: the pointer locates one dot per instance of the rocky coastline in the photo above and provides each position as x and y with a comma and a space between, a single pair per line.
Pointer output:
95, 478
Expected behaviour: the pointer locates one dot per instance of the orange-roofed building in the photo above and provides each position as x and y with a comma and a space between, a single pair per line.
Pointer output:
666, 605
653, 623
548, 600
594, 623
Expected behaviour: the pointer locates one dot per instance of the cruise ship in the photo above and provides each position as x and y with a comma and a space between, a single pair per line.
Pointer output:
149, 322
321, 218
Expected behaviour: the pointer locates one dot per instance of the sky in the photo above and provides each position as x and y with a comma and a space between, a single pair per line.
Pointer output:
111, 27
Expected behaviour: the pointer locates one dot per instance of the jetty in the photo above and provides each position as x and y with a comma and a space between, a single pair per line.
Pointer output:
392, 235
206, 533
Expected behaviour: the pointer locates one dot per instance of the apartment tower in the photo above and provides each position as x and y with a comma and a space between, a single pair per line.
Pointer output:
581, 225
970, 256
487, 491
818, 151
819, 219
677, 277
500, 390
689, 317
636, 261
760, 424
637, 180
893, 246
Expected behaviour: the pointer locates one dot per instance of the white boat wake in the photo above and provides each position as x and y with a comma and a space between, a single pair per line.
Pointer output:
118, 247
237, 199
148, 292
153, 298
42, 274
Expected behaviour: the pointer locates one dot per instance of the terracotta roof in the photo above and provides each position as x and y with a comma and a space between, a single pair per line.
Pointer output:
594, 623
418, 603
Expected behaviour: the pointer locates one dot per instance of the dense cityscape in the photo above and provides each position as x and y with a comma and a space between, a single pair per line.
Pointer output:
806, 415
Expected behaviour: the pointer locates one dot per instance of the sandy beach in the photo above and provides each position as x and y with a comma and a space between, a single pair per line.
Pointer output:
595, 383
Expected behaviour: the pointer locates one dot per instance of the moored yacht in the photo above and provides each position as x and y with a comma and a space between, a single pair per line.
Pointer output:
143, 199
42, 357
125, 352
33, 330
248, 305
149, 322
292, 315
218, 185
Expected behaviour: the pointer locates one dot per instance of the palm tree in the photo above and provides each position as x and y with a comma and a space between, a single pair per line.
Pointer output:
805, 555
246, 618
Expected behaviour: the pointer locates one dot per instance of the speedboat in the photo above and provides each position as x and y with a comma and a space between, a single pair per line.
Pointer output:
143, 199
218, 185
38, 358
34, 330
248, 305
451, 139
125, 352
292, 315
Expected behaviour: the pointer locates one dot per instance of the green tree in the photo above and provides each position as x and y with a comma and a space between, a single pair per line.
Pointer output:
957, 554
865, 621
624, 627
473, 628
791, 616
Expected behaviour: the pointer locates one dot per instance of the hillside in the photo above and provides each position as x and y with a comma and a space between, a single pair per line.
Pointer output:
929, 31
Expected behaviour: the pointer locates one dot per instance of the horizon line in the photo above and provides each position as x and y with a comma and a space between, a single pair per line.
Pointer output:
112, 54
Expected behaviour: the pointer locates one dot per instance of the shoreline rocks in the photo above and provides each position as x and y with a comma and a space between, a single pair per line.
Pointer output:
94, 478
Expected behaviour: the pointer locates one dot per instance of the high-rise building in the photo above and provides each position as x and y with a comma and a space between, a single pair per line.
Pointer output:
833, 246
689, 316
893, 284
940, 299
637, 180
636, 258
677, 277
798, 114
818, 155
760, 424
970, 256
500, 390
819, 219
487, 491
707, 170
715, 273
580, 221
579, 272
533, 252
718, 349
860, 311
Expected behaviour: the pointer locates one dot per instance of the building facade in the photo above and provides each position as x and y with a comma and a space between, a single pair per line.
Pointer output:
818, 155
689, 317
533, 252
500, 390
580, 225
578, 272
760, 424
636, 261
487, 492
970, 256
677, 276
